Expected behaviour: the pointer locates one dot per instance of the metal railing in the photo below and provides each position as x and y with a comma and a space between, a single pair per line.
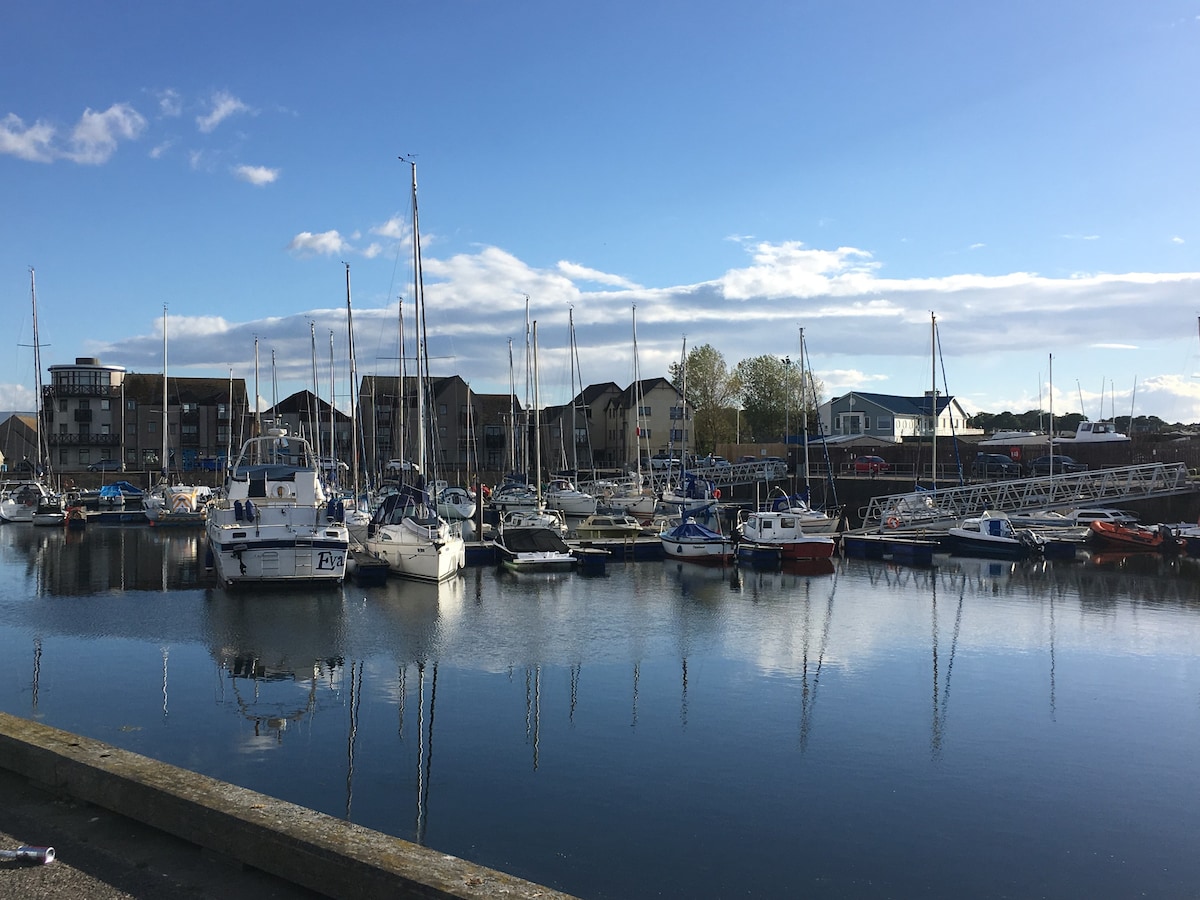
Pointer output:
942, 507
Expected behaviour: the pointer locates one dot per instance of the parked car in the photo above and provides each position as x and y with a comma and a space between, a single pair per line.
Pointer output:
664, 460
872, 464
1056, 464
995, 465
107, 465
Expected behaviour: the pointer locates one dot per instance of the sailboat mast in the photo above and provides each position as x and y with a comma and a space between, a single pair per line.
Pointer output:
257, 394
637, 400
163, 471
419, 318
37, 369
353, 390
933, 398
314, 409
537, 424
332, 394
574, 410
803, 413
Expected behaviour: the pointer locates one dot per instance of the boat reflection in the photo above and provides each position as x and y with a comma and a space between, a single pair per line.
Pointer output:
107, 558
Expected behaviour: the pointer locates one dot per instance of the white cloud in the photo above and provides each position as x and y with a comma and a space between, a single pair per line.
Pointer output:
92, 141
256, 175
169, 104
576, 272
1177, 240
224, 105
327, 243
32, 144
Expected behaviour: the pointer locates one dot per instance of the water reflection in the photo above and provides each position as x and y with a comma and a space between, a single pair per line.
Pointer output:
106, 558
771, 720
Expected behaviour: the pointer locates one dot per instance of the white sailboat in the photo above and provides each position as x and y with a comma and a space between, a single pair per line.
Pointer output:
406, 530
23, 500
173, 504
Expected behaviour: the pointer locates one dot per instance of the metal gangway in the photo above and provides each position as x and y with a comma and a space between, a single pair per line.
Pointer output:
941, 508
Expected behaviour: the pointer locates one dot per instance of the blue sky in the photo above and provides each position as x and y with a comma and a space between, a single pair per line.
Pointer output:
737, 173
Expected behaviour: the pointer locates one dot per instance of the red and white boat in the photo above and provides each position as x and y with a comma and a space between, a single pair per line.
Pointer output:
783, 533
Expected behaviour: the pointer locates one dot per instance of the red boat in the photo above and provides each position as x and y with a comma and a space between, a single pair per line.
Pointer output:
1130, 536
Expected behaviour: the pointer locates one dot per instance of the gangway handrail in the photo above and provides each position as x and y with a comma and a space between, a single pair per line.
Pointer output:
942, 507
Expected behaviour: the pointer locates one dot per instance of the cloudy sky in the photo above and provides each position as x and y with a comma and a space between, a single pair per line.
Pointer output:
1028, 175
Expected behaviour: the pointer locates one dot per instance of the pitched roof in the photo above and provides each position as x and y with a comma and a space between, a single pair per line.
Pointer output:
901, 406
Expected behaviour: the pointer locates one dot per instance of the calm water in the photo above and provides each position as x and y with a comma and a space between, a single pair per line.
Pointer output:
976, 730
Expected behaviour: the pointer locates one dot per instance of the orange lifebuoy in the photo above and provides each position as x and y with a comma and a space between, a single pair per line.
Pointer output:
716, 493
892, 522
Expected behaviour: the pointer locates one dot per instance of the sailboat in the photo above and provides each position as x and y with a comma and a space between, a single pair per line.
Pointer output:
813, 521
31, 500
630, 495
173, 504
406, 529
534, 542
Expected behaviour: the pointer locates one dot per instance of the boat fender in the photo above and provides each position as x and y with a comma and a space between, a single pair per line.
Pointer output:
238, 514
892, 522
251, 512
716, 493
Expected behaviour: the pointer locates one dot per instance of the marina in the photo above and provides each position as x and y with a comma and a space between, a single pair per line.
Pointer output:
845, 727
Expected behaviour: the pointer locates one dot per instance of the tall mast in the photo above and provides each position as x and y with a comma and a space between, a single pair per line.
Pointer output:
537, 422
571, 350
419, 319
332, 394
637, 402
803, 413
353, 391
933, 396
37, 368
257, 412
314, 424
163, 471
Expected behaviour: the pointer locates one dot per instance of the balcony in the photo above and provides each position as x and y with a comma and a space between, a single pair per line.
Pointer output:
51, 391
82, 440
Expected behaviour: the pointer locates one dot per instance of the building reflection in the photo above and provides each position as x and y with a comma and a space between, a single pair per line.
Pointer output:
104, 558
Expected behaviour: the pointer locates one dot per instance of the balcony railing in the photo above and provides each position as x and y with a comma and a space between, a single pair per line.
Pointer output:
82, 440
51, 391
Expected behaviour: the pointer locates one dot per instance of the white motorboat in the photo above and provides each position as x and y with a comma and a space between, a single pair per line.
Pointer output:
606, 525
992, 535
276, 523
534, 549
177, 504
50, 510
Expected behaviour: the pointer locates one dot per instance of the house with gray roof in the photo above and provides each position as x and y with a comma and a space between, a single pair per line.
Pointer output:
891, 418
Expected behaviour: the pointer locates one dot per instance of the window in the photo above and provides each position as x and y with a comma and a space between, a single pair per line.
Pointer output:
62, 405
441, 409
63, 458
85, 404
676, 435
131, 404
152, 426
104, 404
104, 428
85, 457
644, 411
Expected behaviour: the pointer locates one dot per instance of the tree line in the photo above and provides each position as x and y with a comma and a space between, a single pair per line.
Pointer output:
765, 398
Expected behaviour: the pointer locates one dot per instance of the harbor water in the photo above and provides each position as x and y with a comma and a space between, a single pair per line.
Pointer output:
974, 729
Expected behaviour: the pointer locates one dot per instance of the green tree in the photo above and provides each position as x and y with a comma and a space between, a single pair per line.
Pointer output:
773, 397
711, 391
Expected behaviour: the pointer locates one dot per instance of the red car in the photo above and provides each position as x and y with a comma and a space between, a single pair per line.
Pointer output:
872, 464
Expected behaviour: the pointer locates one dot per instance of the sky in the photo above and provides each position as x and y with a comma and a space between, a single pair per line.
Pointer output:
734, 175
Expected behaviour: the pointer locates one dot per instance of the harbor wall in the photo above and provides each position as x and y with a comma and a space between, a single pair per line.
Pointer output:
317, 851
